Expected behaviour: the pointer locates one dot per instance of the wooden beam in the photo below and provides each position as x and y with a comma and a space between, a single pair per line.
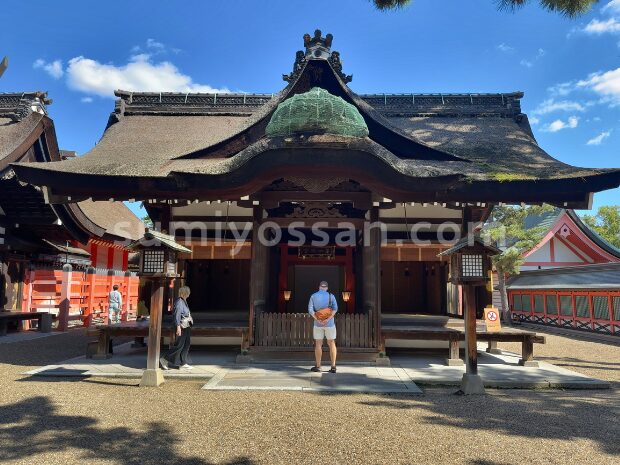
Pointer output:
361, 200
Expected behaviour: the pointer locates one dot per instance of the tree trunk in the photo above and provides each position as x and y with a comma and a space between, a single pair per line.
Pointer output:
501, 280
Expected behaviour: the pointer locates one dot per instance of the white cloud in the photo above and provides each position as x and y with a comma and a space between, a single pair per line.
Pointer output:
140, 74
558, 124
505, 48
562, 89
541, 53
152, 43
533, 120
54, 68
602, 27
612, 7
527, 64
151, 48
86, 100
551, 105
599, 139
606, 84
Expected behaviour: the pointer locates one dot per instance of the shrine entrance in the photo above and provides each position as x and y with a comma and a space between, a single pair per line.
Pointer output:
303, 268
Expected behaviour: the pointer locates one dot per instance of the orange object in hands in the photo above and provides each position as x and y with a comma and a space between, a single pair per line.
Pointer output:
323, 314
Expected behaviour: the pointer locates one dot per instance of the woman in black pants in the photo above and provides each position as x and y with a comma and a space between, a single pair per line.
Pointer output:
177, 355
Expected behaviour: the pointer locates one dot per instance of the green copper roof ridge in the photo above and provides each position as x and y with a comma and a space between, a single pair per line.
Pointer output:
316, 112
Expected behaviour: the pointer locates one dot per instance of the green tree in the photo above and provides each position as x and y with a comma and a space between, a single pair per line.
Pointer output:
570, 8
506, 230
606, 223
148, 222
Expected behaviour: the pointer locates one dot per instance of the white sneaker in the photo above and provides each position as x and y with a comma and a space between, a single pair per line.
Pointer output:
187, 367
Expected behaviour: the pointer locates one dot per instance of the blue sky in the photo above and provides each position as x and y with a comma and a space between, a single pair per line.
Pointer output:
79, 51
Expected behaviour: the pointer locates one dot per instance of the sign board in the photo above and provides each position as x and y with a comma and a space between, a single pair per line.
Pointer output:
491, 318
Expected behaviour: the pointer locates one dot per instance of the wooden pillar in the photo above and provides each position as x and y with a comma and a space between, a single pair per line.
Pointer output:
472, 382
127, 297
91, 277
372, 275
153, 376
470, 330
65, 298
29, 284
259, 272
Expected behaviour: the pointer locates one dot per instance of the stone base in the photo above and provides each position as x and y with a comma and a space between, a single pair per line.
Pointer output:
152, 378
244, 359
383, 362
529, 363
472, 384
494, 351
454, 362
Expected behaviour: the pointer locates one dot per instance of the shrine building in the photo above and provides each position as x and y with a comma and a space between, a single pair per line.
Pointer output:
273, 193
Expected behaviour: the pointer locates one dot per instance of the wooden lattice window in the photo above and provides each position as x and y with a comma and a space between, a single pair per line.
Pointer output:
617, 308
516, 305
539, 303
566, 305
582, 305
526, 303
601, 307
552, 304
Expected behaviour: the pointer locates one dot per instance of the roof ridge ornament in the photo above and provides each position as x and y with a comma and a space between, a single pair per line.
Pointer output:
317, 48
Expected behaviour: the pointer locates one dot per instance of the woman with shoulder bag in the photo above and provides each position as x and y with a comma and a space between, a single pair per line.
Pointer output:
177, 355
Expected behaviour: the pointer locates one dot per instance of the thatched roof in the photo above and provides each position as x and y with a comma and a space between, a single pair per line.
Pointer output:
114, 217
23, 120
478, 139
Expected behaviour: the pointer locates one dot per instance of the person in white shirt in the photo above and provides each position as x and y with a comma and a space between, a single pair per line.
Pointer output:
115, 302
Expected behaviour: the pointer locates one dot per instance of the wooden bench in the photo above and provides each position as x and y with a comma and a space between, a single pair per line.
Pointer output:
102, 348
44, 320
455, 335
426, 333
526, 338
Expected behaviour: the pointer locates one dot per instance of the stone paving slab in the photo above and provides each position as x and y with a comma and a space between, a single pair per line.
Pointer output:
20, 336
217, 368
497, 371
300, 378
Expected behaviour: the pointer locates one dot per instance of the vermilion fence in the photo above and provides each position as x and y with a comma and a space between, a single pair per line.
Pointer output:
78, 297
590, 310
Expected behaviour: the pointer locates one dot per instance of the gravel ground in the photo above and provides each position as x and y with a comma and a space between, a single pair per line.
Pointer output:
96, 421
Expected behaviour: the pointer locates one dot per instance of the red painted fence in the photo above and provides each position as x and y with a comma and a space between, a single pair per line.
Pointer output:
590, 310
78, 297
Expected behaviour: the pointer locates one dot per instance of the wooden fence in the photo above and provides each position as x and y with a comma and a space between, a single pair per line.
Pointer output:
76, 297
294, 330
583, 309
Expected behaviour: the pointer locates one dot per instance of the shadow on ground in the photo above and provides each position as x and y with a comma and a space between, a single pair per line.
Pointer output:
33, 427
530, 414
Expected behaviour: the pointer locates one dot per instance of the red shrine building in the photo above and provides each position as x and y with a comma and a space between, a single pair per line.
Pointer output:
272, 193
38, 238
571, 278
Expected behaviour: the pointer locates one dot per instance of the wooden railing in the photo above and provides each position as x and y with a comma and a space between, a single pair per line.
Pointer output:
294, 330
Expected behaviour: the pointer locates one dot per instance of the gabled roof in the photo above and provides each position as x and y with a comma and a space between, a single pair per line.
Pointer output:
480, 145
556, 219
24, 121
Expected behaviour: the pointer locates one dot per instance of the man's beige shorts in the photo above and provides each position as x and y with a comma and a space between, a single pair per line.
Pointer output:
328, 332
